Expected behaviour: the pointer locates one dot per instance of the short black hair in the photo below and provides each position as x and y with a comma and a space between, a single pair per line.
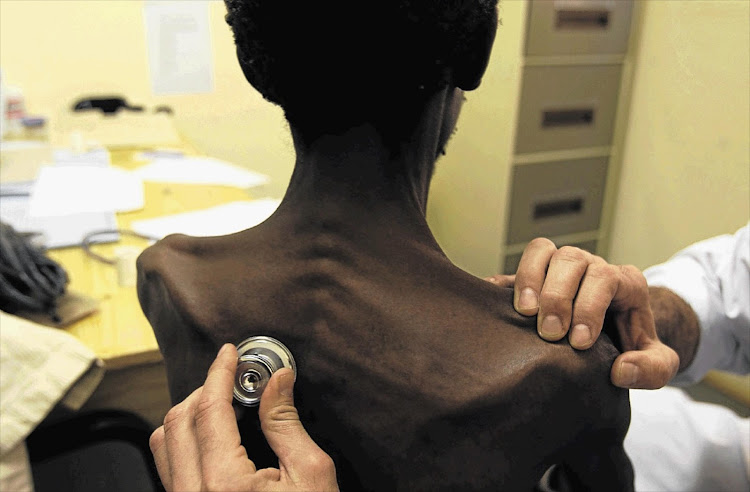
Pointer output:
329, 62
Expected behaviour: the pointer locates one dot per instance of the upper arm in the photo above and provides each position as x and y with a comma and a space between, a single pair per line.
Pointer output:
598, 463
186, 349
596, 458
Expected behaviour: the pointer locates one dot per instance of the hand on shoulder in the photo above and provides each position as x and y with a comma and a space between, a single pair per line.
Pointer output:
570, 291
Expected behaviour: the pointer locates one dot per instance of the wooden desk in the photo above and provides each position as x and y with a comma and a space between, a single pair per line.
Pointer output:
119, 332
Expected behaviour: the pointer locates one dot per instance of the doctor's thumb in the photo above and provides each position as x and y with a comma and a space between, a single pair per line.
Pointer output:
651, 368
298, 454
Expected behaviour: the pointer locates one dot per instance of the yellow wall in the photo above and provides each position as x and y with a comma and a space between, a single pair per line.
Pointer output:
686, 161
470, 187
60, 50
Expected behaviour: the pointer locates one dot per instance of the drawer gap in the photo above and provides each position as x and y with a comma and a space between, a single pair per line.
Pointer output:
582, 19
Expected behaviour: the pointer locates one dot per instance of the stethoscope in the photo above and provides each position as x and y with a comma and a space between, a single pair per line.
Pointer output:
259, 358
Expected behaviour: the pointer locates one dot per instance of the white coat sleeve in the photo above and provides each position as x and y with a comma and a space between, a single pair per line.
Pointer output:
713, 277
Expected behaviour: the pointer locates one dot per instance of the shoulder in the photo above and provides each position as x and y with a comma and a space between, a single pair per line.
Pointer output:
197, 284
175, 297
178, 286
575, 389
160, 269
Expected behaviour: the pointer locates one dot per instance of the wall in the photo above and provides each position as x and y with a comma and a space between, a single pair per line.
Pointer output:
686, 161
471, 183
686, 156
60, 50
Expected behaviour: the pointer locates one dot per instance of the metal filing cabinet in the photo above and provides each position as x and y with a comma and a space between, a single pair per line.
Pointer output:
567, 107
564, 145
576, 27
556, 198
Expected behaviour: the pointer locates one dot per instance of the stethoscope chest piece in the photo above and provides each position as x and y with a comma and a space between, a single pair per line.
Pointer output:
259, 358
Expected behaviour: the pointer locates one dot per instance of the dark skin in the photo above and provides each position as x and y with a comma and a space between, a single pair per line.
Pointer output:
412, 374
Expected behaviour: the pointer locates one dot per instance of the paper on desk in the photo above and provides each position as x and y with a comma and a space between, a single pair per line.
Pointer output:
200, 170
94, 157
60, 231
216, 221
67, 190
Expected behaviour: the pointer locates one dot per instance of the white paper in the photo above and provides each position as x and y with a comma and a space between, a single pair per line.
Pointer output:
179, 46
67, 190
94, 157
216, 221
58, 232
200, 170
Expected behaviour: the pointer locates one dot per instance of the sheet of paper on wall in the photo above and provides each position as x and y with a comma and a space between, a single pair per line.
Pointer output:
68, 190
200, 170
215, 221
179, 46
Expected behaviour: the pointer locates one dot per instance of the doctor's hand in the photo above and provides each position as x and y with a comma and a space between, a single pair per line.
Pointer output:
198, 447
570, 291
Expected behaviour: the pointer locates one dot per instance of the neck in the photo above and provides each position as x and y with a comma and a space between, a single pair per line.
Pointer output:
355, 174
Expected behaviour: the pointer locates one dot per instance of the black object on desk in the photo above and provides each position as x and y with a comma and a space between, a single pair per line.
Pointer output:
105, 104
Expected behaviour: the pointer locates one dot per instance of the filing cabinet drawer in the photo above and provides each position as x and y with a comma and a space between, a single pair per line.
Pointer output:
567, 107
571, 27
511, 261
555, 198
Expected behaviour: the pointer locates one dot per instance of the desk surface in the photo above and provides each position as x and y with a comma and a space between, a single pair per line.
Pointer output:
119, 333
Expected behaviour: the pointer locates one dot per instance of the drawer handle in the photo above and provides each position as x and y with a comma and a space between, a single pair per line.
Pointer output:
582, 19
568, 117
555, 208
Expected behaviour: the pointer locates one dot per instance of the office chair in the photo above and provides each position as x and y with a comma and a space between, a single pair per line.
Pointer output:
106, 450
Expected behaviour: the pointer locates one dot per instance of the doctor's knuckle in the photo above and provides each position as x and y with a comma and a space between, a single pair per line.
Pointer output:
542, 244
603, 272
205, 408
320, 463
571, 254
280, 418
156, 440
213, 479
555, 299
174, 416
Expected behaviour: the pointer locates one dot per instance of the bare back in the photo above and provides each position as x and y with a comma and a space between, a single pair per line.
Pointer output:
412, 374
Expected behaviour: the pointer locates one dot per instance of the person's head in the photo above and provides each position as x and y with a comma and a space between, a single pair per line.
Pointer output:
332, 64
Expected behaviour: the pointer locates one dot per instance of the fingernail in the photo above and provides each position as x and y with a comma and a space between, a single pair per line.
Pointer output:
491, 279
580, 336
224, 348
528, 299
628, 374
551, 327
286, 383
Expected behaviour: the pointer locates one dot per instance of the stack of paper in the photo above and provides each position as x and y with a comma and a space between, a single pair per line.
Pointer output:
72, 199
